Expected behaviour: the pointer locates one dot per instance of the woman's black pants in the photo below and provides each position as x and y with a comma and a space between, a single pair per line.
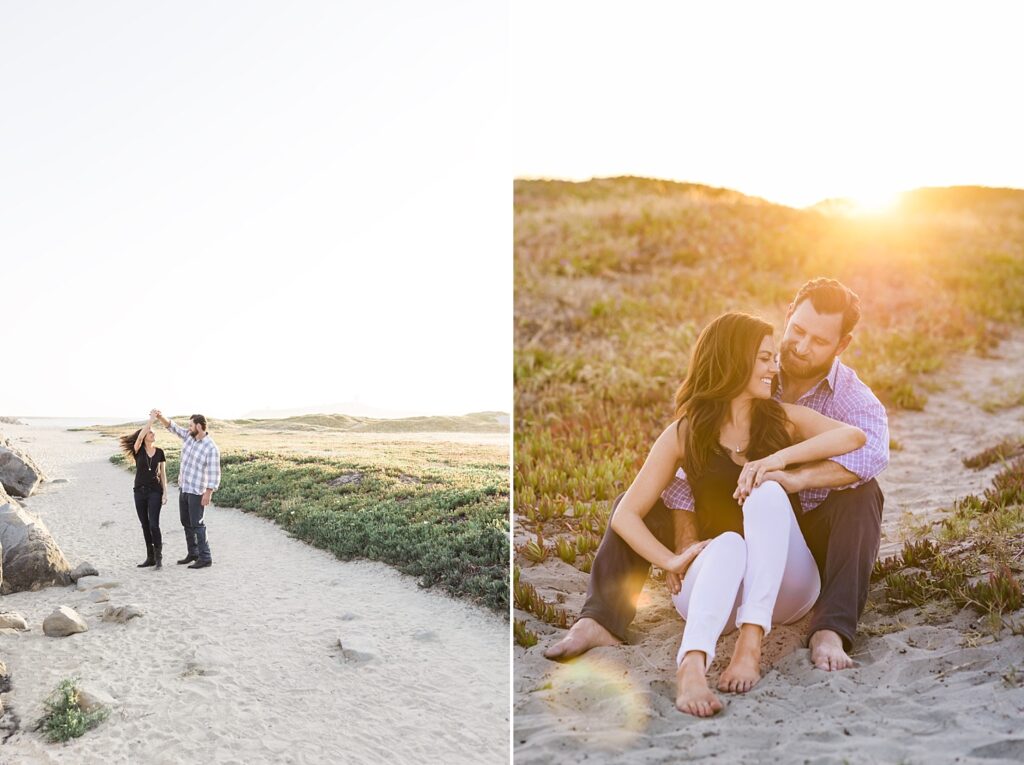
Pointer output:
147, 505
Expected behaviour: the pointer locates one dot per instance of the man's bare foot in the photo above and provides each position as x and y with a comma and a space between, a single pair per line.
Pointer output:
582, 636
827, 651
744, 668
693, 696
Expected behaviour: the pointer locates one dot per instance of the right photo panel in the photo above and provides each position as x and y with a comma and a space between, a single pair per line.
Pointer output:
769, 383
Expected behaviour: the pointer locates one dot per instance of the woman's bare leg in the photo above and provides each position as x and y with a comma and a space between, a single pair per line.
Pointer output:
744, 668
780, 585
693, 697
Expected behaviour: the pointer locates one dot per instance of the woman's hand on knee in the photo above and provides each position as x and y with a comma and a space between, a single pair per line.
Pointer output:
678, 564
752, 475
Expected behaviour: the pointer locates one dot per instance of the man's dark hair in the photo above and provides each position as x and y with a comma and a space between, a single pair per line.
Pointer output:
831, 296
198, 419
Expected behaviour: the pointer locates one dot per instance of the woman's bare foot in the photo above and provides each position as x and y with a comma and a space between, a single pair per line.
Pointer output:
692, 693
744, 668
827, 651
582, 636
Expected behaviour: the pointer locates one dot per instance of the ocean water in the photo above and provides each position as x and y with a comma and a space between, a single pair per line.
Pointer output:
65, 423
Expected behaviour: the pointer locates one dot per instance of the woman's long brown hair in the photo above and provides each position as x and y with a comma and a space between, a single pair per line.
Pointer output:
720, 368
128, 445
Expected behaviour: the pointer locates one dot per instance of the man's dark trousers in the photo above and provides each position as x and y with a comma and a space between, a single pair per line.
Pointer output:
191, 512
842, 533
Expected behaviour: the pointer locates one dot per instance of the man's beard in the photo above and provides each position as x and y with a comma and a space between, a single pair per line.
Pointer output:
801, 370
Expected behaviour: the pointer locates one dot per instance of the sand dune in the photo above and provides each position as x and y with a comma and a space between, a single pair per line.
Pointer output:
240, 663
920, 694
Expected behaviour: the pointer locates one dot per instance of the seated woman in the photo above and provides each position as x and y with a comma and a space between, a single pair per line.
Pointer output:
743, 556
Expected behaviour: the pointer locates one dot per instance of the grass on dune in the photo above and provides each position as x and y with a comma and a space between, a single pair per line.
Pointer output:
614, 278
973, 558
436, 510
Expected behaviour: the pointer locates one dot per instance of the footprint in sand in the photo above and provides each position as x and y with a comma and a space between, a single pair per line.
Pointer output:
1009, 749
355, 652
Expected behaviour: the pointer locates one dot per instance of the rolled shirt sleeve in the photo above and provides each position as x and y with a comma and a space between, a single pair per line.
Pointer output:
678, 495
213, 469
872, 458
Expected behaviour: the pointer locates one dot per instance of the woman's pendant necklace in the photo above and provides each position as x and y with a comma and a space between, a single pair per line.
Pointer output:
149, 461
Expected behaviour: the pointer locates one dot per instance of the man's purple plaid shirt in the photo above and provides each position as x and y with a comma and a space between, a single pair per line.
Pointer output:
200, 462
841, 396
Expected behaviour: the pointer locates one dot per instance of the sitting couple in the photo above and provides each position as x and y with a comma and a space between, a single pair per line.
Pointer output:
198, 478
780, 509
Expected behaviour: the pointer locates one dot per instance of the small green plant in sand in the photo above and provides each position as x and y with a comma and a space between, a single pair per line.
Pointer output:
1004, 450
1013, 677
566, 550
1008, 398
524, 636
535, 550
526, 598
64, 718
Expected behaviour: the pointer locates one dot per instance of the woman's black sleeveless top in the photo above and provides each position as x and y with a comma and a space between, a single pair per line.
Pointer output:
717, 511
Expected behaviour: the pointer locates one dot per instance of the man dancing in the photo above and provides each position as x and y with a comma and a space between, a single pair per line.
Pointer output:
198, 478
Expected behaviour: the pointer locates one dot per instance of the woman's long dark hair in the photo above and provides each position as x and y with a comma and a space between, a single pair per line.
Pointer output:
720, 368
128, 445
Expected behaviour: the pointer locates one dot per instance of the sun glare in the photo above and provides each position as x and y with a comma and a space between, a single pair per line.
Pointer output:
874, 202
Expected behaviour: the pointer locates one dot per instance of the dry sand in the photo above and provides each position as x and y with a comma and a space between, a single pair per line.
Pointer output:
920, 694
240, 663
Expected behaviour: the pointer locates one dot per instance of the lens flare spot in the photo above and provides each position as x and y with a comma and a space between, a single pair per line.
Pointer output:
594, 699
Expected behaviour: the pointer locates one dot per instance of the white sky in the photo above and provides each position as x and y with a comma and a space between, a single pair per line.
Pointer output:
791, 101
228, 206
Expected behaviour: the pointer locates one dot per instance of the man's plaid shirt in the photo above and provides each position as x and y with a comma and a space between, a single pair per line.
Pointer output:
841, 396
200, 462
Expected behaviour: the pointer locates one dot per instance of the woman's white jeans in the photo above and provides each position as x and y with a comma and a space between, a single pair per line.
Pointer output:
765, 576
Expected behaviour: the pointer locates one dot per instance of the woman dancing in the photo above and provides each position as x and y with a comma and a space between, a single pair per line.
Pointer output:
744, 558
150, 488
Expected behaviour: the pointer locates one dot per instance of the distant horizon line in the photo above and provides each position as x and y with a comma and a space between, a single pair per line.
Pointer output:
683, 182
246, 416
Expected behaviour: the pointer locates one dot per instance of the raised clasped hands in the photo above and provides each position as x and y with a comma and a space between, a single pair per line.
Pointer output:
753, 473
677, 565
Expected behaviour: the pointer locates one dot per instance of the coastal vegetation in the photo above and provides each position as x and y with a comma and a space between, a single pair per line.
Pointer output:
431, 504
615, 277
64, 718
971, 558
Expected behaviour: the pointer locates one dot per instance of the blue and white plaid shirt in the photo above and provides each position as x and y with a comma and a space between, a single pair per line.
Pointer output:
200, 462
841, 396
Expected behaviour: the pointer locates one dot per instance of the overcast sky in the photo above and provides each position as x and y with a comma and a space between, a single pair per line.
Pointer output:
232, 206
792, 101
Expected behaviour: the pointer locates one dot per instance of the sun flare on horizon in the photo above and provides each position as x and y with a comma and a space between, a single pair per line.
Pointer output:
872, 203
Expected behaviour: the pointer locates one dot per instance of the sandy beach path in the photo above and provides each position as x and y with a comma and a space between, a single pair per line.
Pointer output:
240, 663
924, 690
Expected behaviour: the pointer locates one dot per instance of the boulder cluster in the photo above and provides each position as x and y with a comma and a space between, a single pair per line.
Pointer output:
31, 560
29, 557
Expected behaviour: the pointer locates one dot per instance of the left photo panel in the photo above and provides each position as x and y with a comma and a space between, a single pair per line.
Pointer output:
255, 448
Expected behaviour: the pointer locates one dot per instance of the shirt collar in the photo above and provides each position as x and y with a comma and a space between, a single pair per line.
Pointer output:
830, 378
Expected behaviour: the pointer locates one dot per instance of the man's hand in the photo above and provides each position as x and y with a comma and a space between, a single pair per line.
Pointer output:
207, 496
788, 480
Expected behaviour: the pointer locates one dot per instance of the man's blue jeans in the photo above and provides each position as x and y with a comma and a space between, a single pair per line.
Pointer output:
191, 510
